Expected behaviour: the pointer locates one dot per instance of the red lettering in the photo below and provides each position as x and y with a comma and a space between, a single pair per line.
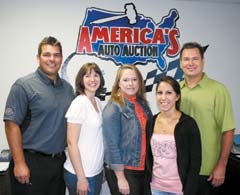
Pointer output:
84, 44
114, 34
126, 35
135, 35
174, 45
100, 34
158, 37
143, 36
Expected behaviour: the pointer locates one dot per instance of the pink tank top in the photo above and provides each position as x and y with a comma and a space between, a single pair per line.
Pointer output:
165, 175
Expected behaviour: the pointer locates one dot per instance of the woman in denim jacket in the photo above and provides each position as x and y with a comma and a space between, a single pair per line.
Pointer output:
125, 126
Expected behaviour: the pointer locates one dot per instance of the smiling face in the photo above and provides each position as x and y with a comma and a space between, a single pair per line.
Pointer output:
50, 60
192, 63
91, 81
166, 97
129, 83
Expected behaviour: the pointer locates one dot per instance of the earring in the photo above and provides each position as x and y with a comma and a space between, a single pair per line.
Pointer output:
119, 93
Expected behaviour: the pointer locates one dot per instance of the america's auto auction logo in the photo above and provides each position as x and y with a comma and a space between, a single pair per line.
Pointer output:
129, 37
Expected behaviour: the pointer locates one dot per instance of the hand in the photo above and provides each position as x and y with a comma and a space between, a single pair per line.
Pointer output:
217, 177
22, 173
123, 186
82, 187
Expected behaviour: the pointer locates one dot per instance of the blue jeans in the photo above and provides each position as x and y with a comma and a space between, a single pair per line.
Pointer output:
95, 183
158, 192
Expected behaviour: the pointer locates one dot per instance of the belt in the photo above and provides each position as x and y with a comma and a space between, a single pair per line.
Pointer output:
56, 155
234, 156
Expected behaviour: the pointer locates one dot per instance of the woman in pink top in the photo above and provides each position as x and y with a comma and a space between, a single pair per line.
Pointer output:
174, 154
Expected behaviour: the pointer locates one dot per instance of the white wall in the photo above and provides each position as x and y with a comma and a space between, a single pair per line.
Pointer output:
24, 23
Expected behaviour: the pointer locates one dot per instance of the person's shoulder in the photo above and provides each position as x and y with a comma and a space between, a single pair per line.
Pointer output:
185, 116
111, 108
67, 87
112, 104
79, 101
187, 121
66, 83
80, 98
213, 84
213, 81
26, 78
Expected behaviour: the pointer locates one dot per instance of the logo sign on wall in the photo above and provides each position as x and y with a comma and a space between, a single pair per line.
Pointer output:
128, 37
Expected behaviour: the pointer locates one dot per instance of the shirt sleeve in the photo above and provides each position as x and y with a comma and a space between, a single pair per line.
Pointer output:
223, 109
17, 104
76, 113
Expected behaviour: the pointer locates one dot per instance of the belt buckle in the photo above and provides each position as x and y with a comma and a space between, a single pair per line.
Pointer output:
56, 155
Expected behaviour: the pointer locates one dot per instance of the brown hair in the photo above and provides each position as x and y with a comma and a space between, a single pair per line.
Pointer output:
192, 45
79, 86
49, 41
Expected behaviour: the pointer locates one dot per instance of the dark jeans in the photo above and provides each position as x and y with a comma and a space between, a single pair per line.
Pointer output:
136, 181
46, 175
205, 187
5, 183
232, 178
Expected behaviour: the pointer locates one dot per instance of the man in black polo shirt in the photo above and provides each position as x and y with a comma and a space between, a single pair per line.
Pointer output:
36, 127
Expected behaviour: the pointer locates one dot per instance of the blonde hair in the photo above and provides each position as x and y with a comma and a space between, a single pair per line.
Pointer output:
116, 96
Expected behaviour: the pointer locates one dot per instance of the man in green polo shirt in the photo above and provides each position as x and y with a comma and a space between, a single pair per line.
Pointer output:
209, 102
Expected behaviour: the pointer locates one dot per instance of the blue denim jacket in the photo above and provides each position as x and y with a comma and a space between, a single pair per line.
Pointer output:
122, 134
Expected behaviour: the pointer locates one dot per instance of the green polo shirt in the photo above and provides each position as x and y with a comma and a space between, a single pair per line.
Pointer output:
209, 103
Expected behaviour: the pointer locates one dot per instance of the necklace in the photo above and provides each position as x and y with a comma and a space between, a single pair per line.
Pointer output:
166, 125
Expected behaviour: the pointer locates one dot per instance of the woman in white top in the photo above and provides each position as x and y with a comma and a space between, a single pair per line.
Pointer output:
84, 164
